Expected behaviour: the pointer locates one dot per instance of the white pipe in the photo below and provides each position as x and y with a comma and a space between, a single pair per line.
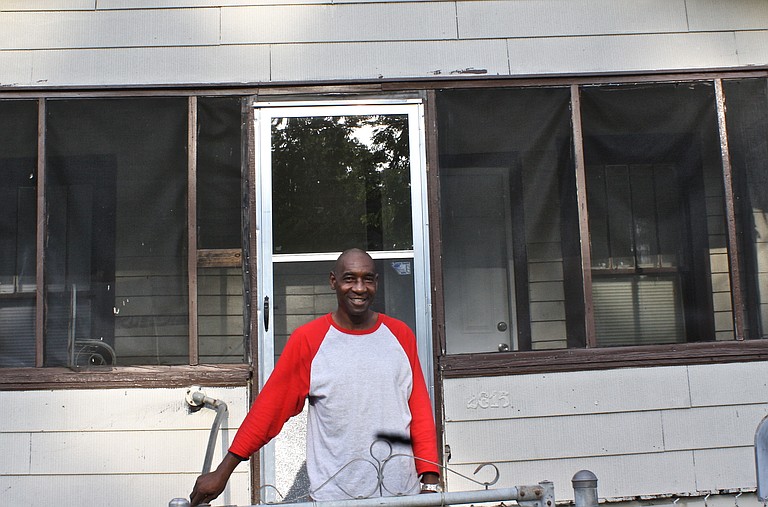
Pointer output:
530, 496
541, 494
199, 398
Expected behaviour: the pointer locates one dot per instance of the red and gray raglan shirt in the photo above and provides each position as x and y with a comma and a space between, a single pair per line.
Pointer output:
361, 386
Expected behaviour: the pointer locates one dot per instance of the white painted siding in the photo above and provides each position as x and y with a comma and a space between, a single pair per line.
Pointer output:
294, 62
338, 23
120, 447
93, 29
47, 5
651, 431
167, 42
548, 18
712, 15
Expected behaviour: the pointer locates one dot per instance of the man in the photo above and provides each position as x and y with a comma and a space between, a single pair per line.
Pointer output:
360, 370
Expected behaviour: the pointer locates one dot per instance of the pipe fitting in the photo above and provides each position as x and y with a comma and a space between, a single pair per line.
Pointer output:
195, 397
584, 489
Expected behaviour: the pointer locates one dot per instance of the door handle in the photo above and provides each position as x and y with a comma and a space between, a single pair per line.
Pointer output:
266, 313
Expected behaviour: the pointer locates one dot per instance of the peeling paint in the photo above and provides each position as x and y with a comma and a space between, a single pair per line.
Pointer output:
470, 70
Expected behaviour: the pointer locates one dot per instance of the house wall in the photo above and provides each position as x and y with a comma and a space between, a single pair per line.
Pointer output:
681, 430
646, 431
109, 448
165, 42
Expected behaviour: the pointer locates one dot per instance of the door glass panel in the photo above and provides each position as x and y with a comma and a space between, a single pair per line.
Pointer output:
302, 293
341, 182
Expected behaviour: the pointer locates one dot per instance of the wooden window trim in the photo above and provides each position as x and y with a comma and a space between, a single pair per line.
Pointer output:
107, 377
219, 257
40, 237
564, 360
581, 196
194, 353
737, 286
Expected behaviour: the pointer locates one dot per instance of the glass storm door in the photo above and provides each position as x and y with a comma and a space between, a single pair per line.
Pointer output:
331, 177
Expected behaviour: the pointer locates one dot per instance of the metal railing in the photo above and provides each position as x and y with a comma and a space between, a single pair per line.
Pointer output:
541, 495
584, 483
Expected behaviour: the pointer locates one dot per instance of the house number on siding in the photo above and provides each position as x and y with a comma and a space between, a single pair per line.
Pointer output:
485, 400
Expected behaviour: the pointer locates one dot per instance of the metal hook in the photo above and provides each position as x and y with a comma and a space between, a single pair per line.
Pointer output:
736, 499
705, 500
495, 479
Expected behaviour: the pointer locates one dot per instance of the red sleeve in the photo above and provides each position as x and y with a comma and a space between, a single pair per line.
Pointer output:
284, 392
423, 432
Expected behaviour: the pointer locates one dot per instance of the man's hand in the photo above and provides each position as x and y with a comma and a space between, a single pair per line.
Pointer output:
209, 486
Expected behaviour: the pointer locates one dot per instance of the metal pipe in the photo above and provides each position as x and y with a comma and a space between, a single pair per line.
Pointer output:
541, 495
584, 489
200, 399
761, 459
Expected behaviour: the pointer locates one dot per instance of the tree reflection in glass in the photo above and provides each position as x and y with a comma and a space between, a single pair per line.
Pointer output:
339, 182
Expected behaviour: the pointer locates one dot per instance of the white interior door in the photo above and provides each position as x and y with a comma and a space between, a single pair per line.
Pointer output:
478, 272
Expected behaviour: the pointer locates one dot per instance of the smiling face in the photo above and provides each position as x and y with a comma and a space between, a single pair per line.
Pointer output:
355, 281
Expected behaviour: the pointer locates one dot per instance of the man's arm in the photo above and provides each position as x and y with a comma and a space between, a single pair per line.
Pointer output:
281, 398
423, 432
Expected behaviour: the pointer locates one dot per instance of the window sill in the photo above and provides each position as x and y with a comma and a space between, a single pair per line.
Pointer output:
108, 377
549, 361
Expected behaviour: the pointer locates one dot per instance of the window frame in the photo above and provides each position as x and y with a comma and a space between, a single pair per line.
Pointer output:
42, 377
592, 357
463, 365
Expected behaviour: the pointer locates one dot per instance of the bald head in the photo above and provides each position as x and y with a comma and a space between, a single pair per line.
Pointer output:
350, 253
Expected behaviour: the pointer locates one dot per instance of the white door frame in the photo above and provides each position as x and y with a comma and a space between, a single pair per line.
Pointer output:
262, 180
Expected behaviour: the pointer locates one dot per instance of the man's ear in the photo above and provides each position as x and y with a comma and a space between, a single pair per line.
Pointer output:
332, 280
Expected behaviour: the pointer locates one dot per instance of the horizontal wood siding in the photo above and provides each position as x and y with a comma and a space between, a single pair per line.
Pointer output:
220, 315
681, 430
338, 23
542, 18
115, 447
96, 29
760, 221
296, 62
167, 42
711, 15
546, 288
116, 490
